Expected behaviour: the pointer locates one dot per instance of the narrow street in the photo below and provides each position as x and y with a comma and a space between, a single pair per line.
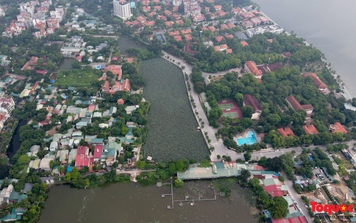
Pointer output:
295, 196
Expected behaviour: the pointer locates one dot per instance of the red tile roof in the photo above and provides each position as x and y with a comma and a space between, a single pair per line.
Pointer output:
251, 66
294, 103
83, 150
337, 127
120, 101
82, 160
244, 43
286, 131
252, 101
310, 129
317, 82
274, 190
98, 150
219, 38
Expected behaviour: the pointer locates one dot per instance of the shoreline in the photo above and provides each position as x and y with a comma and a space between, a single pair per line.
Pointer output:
345, 92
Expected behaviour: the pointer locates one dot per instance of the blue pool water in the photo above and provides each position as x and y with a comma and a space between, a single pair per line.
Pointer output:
250, 139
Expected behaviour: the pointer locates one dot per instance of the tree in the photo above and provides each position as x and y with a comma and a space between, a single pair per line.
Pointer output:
279, 208
178, 183
140, 164
199, 87
247, 156
245, 175
247, 111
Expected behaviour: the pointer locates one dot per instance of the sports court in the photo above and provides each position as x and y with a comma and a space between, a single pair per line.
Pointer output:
230, 109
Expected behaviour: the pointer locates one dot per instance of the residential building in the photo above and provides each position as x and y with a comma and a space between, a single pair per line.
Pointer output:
337, 127
308, 108
250, 67
323, 88
286, 131
122, 10
310, 129
250, 100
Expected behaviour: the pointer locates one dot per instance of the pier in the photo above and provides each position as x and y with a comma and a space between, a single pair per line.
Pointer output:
186, 199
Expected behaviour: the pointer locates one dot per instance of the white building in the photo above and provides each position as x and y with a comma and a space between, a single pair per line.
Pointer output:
122, 10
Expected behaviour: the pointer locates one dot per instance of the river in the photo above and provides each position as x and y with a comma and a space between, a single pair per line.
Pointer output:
327, 24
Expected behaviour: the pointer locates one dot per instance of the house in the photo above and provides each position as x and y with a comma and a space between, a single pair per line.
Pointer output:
98, 150
250, 100
250, 67
45, 164
310, 129
82, 161
120, 101
63, 156
308, 108
219, 38
337, 127
286, 131
318, 83
53, 146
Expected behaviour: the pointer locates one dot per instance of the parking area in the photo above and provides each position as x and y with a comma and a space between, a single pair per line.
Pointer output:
320, 175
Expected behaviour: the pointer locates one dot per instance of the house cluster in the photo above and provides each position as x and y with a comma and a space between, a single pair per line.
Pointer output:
275, 187
67, 150
80, 17
119, 85
77, 48
9, 195
37, 15
7, 104
192, 10
180, 35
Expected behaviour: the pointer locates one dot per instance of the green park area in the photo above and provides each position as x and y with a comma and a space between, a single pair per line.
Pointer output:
77, 78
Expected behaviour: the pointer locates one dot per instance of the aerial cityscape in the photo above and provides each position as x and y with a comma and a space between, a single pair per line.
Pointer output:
172, 111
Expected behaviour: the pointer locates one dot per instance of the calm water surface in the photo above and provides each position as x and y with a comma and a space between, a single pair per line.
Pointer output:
129, 202
327, 24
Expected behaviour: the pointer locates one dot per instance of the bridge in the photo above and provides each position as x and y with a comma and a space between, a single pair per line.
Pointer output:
220, 170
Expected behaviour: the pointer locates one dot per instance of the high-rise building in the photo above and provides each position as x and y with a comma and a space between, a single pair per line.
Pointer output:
122, 10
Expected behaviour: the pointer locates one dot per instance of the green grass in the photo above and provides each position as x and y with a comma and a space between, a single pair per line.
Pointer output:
77, 78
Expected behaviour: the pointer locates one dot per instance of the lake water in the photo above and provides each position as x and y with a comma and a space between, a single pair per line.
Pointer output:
327, 24
131, 203
172, 133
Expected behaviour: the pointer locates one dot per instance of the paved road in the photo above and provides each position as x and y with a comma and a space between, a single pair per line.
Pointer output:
295, 196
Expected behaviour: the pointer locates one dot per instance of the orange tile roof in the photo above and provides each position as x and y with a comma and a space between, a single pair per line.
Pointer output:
337, 127
244, 43
310, 129
219, 38
286, 131
251, 65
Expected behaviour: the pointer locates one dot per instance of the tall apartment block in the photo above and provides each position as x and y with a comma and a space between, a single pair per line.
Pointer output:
122, 10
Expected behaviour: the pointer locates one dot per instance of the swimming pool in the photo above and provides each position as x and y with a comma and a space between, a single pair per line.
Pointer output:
249, 139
